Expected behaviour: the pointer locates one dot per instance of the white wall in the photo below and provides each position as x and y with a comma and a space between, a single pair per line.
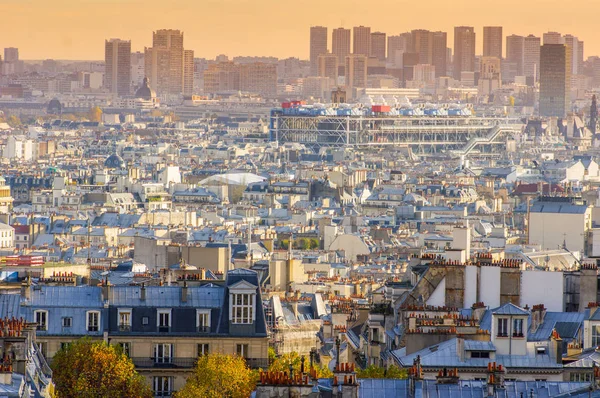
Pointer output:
470, 286
540, 287
438, 297
489, 286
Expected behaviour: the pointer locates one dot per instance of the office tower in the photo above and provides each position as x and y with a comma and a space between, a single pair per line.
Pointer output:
555, 80
573, 43
422, 44
378, 45
553, 38
580, 57
464, 50
164, 62
138, 68
340, 44
222, 77
356, 72
259, 77
318, 46
490, 76
531, 57
439, 54
329, 66
188, 72
11, 54
117, 58
409, 62
398, 45
515, 47
361, 44
492, 41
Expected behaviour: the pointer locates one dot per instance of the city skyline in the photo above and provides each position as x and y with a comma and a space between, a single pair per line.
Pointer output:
281, 37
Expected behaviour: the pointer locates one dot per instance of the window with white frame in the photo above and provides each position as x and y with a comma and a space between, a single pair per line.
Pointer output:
242, 350
124, 319
163, 386
126, 347
163, 353
502, 327
93, 321
164, 320
41, 318
203, 349
242, 308
596, 335
67, 322
517, 327
203, 320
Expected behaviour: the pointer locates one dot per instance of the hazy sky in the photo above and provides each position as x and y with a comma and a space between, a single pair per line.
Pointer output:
76, 29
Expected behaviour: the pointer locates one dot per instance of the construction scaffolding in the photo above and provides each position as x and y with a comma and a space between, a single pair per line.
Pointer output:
300, 338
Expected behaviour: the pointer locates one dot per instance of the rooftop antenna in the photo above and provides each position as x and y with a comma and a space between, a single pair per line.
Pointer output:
89, 241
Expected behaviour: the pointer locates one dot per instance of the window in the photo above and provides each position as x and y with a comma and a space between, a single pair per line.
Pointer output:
41, 318
540, 350
162, 386
93, 321
145, 320
242, 308
64, 345
164, 320
126, 347
242, 350
517, 328
480, 354
596, 335
124, 320
163, 353
43, 347
67, 322
203, 320
502, 327
202, 349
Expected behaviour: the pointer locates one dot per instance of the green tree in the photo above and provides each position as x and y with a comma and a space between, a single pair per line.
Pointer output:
96, 114
314, 243
282, 364
303, 244
219, 376
86, 368
13, 121
376, 372
284, 244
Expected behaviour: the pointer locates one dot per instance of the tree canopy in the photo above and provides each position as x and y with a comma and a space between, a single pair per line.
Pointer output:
376, 372
86, 368
282, 364
218, 376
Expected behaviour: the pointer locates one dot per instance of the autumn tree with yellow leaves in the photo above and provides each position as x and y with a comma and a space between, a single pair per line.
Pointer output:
96, 114
86, 368
218, 376
282, 364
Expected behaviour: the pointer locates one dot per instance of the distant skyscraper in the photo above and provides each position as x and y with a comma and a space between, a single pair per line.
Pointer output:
378, 45
422, 44
138, 68
492, 41
164, 62
553, 38
464, 50
580, 57
361, 44
555, 80
259, 77
222, 77
515, 47
329, 66
117, 58
11, 54
573, 43
318, 46
440, 53
340, 44
398, 45
531, 57
356, 72
188, 72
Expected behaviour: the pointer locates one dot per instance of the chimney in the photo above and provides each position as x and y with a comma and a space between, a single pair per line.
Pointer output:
26, 289
556, 346
538, 313
460, 349
446, 376
143, 292
495, 379
105, 290
184, 292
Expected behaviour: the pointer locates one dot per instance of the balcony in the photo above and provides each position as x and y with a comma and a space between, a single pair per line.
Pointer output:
164, 363
164, 329
124, 328
203, 329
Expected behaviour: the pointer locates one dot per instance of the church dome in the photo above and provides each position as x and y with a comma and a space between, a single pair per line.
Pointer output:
114, 161
54, 107
145, 92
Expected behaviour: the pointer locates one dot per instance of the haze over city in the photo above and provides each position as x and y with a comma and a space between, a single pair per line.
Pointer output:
73, 29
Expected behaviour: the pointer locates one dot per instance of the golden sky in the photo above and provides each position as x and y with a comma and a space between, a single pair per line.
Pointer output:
76, 29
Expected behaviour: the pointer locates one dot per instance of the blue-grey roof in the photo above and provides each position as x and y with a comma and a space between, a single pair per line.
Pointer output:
509, 309
476, 345
567, 324
167, 296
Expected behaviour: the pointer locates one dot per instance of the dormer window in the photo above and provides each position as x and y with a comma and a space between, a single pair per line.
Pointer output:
243, 308
517, 328
502, 327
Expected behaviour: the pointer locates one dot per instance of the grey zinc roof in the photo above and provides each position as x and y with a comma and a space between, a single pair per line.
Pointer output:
509, 309
10, 305
167, 296
544, 207
567, 324
66, 296
476, 345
